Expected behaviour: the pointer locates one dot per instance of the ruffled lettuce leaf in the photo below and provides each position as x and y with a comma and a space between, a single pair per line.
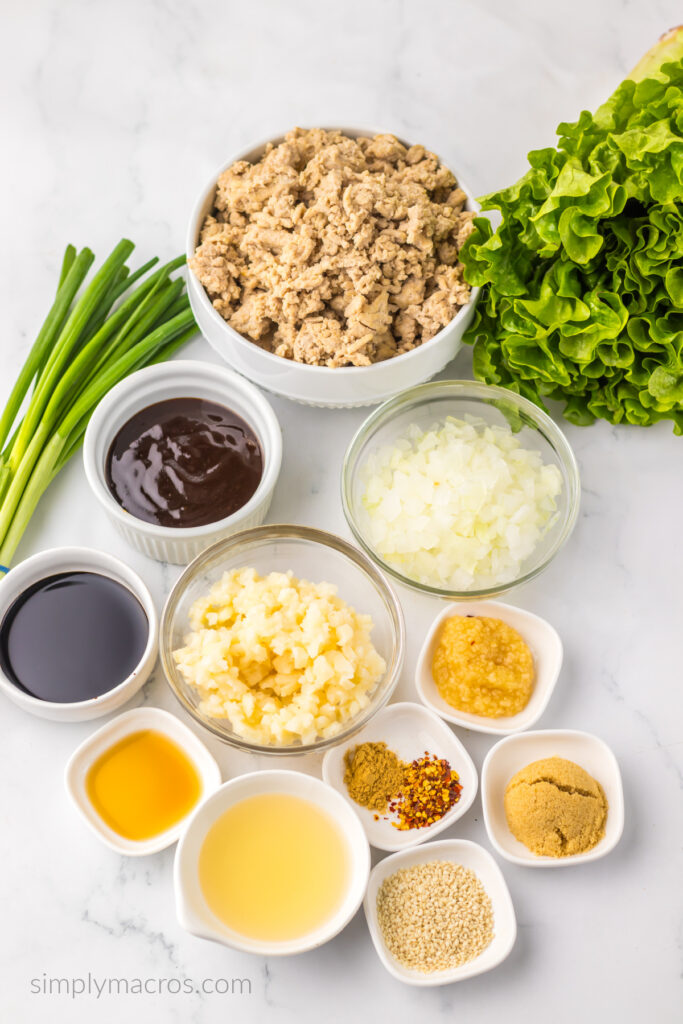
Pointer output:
582, 298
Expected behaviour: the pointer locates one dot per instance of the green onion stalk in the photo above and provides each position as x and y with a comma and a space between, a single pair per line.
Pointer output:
94, 335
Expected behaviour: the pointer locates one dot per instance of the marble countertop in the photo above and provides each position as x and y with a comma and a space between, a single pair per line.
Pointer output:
118, 115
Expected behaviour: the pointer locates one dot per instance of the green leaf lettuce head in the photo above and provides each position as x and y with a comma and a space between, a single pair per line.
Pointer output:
583, 280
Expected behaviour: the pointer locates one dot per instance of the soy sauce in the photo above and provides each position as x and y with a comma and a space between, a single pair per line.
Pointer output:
72, 636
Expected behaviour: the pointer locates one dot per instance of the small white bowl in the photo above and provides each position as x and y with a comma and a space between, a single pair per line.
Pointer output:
193, 912
544, 643
409, 730
512, 754
181, 379
318, 385
76, 559
138, 719
477, 859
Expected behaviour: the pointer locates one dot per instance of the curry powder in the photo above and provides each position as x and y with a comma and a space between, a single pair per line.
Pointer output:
373, 775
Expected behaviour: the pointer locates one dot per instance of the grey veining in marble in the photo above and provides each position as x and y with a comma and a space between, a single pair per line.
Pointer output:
113, 117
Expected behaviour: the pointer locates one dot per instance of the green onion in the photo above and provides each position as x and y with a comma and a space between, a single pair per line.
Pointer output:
88, 343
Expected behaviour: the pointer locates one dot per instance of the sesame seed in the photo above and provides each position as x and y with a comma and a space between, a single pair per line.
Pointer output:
434, 916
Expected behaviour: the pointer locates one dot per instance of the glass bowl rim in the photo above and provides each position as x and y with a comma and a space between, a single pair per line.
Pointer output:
474, 390
315, 537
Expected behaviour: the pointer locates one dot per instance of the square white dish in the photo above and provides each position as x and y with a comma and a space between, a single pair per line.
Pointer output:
477, 859
513, 753
409, 730
80, 762
541, 638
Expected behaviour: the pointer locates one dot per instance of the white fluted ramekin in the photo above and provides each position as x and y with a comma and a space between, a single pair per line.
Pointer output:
331, 387
181, 379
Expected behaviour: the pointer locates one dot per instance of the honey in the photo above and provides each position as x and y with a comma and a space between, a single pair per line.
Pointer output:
143, 785
274, 867
483, 666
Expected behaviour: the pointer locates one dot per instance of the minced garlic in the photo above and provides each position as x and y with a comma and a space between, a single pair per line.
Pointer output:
283, 659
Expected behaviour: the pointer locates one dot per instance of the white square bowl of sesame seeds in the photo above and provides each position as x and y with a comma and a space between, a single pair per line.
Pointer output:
441, 915
410, 731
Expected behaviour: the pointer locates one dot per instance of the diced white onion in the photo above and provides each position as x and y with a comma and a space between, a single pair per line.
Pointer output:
460, 506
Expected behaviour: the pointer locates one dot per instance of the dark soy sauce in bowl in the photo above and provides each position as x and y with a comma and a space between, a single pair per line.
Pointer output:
72, 637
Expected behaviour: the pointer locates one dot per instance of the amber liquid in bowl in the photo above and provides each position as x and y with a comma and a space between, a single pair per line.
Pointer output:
143, 785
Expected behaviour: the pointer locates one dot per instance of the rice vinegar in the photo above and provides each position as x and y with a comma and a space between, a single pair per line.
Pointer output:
274, 867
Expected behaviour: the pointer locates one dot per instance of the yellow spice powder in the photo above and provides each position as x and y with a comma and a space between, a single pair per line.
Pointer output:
483, 666
555, 808
373, 774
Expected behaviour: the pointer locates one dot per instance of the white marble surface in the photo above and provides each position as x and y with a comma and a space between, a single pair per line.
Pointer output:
114, 116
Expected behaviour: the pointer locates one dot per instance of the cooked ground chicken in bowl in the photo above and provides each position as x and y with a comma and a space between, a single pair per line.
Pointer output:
336, 251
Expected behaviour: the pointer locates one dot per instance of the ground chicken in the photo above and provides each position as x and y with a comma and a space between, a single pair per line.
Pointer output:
336, 251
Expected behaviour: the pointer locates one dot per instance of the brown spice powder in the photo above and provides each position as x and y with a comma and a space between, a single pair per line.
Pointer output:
373, 774
417, 793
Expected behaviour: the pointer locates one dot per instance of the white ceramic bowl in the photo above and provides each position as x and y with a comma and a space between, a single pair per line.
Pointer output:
510, 755
181, 379
82, 759
317, 385
544, 643
477, 859
193, 912
409, 730
76, 559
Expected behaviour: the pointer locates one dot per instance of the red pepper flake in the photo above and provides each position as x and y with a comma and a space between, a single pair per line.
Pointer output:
430, 788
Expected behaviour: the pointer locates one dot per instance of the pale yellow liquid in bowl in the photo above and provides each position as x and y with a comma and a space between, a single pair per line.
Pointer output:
274, 867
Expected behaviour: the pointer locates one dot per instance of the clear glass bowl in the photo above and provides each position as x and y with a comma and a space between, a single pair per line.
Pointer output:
310, 554
427, 404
